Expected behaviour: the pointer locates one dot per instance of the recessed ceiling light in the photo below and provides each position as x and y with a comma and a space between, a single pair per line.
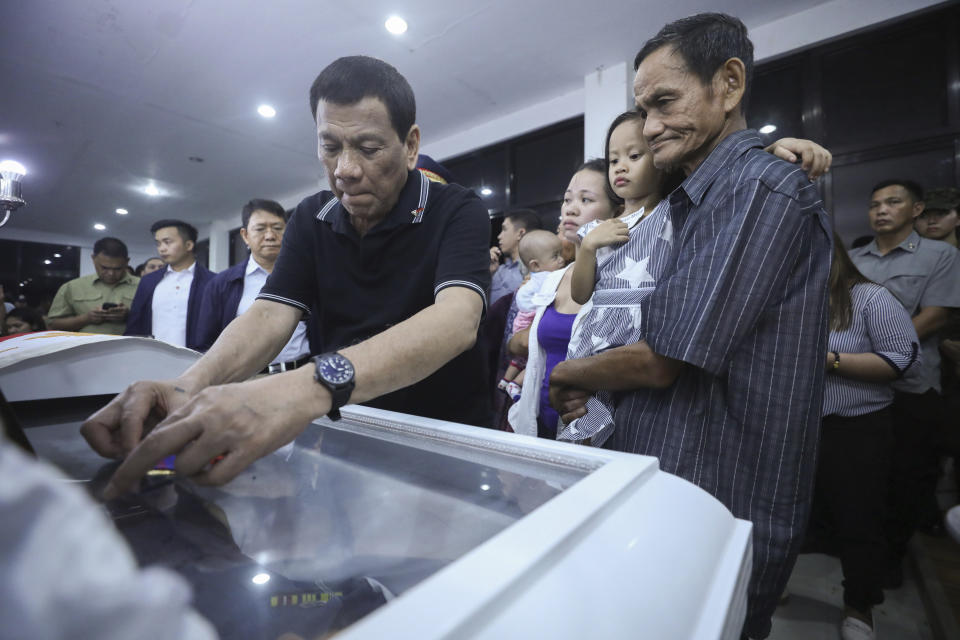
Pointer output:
266, 111
122, 212
261, 578
100, 227
486, 191
57, 255
48, 261
396, 25
768, 128
151, 190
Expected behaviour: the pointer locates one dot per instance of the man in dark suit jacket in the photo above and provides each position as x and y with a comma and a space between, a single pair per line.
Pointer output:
231, 292
167, 302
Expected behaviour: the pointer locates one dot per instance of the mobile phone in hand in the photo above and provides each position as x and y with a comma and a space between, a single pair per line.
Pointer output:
109, 305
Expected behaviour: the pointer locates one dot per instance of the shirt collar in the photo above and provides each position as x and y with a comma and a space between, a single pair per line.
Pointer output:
733, 146
252, 267
189, 269
410, 207
126, 279
909, 244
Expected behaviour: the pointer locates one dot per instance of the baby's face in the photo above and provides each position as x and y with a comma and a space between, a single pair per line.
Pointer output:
550, 259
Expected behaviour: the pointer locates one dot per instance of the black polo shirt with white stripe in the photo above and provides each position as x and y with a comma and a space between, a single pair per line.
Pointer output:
435, 237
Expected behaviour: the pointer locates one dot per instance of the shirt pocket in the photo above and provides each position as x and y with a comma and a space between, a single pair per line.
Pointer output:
84, 301
908, 289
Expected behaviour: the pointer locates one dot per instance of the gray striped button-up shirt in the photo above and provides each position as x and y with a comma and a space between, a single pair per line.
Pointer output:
743, 303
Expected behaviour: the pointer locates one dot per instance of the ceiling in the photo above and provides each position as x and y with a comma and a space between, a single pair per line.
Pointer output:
102, 97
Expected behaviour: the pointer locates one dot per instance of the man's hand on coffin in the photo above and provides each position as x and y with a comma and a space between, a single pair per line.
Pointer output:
115, 430
223, 429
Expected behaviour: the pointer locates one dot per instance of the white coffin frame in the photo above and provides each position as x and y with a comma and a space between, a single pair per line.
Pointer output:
629, 551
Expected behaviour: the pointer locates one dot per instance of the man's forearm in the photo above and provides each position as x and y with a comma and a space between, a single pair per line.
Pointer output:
68, 323
630, 367
246, 346
408, 352
930, 320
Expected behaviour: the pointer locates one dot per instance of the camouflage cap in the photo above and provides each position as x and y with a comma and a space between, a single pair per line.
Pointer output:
942, 199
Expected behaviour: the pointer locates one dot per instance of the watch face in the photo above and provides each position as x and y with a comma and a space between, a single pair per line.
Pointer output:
336, 369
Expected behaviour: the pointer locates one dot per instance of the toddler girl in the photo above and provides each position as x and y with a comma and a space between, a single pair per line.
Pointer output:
617, 266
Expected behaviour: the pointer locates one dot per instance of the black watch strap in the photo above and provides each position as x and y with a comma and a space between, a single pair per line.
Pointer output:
338, 379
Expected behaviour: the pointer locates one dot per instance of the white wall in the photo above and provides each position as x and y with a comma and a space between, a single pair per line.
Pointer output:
608, 92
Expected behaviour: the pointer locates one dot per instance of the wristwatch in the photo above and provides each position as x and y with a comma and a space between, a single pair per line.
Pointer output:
335, 373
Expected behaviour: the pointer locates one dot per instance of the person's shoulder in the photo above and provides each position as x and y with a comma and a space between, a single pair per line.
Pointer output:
79, 285
877, 298
451, 198
152, 278
71, 287
938, 248
82, 281
230, 273
451, 191
777, 175
312, 205
870, 292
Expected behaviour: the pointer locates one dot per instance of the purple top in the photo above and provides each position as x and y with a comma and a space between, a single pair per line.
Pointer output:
553, 333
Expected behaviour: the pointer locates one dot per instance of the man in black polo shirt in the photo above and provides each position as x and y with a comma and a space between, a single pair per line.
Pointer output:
396, 266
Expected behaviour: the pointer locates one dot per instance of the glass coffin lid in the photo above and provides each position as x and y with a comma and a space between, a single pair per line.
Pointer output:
439, 520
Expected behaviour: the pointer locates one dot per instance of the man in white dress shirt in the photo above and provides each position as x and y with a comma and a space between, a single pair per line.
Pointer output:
231, 292
167, 302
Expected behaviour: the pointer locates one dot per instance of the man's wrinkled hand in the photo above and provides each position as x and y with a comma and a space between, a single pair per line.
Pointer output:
116, 429
569, 402
234, 424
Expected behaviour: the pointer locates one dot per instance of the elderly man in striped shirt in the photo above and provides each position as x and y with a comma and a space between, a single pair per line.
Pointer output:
727, 388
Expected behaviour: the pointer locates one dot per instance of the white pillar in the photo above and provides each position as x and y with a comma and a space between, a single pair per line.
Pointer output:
608, 93
220, 243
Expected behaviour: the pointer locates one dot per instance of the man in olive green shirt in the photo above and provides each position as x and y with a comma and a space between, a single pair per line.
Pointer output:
79, 304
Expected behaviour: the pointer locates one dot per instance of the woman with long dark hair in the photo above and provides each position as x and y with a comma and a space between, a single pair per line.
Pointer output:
872, 343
